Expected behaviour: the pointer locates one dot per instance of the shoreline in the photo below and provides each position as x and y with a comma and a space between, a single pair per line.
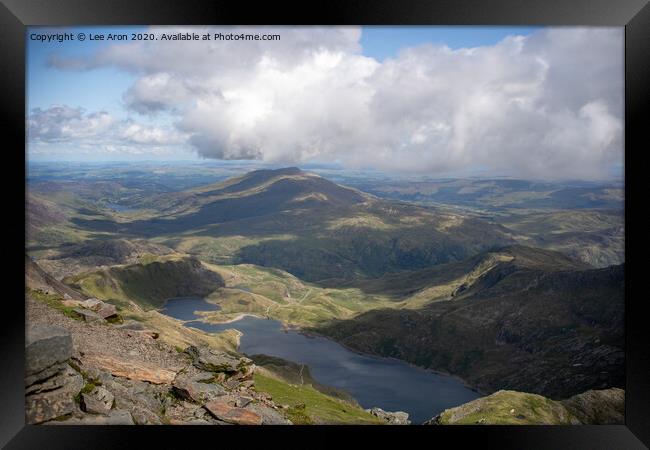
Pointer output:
234, 319
464, 382
311, 334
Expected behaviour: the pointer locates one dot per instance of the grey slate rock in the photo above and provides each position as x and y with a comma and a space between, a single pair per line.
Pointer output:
46, 346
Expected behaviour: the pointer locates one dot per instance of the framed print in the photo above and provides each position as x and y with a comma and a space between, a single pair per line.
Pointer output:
296, 224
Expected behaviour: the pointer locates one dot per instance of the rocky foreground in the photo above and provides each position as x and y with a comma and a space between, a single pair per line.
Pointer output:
65, 386
92, 368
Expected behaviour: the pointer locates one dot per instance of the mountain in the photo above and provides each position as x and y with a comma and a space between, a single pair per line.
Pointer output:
86, 256
534, 322
149, 283
254, 194
304, 224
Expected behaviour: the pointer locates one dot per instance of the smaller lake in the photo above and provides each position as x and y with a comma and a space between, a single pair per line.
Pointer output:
184, 308
389, 384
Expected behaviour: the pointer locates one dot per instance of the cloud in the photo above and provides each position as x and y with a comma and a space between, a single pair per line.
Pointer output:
65, 124
548, 105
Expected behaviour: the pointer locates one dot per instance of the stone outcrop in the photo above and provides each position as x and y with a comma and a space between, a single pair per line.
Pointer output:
98, 401
132, 370
92, 309
224, 409
64, 386
50, 384
197, 388
214, 361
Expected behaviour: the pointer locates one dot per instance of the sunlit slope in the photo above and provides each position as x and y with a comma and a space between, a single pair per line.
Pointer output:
310, 227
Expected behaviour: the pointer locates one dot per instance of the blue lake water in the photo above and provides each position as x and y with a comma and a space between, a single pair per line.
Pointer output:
184, 308
389, 384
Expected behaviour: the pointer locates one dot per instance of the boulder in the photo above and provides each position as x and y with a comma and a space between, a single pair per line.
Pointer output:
269, 415
56, 401
215, 361
132, 370
97, 401
222, 410
392, 418
88, 315
193, 389
102, 309
141, 399
92, 303
46, 346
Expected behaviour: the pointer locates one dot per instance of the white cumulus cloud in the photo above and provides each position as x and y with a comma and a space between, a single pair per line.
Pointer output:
547, 105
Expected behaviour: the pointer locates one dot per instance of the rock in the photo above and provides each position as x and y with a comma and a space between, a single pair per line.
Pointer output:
144, 416
43, 380
131, 369
98, 401
231, 383
214, 361
92, 304
247, 384
47, 380
88, 315
392, 418
46, 346
269, 415
102, 309
189, 388
107, 311
143, 400
115, 417
242, 401
222, 410
57, 400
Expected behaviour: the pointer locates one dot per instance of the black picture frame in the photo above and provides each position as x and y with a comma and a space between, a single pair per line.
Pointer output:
15, 15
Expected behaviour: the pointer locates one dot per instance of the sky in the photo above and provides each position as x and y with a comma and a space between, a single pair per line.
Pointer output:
529, 102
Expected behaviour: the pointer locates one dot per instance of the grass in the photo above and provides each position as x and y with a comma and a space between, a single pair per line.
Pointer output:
53, 301
309, 406
508, 408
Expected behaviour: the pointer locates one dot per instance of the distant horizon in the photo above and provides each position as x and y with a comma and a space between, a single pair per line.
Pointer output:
321, 166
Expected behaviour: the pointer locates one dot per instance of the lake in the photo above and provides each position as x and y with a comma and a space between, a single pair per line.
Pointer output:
389, 384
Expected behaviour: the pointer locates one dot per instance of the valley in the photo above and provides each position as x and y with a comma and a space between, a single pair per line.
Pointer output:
518, 287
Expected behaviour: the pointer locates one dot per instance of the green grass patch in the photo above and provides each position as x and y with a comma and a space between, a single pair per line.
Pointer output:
309, 406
